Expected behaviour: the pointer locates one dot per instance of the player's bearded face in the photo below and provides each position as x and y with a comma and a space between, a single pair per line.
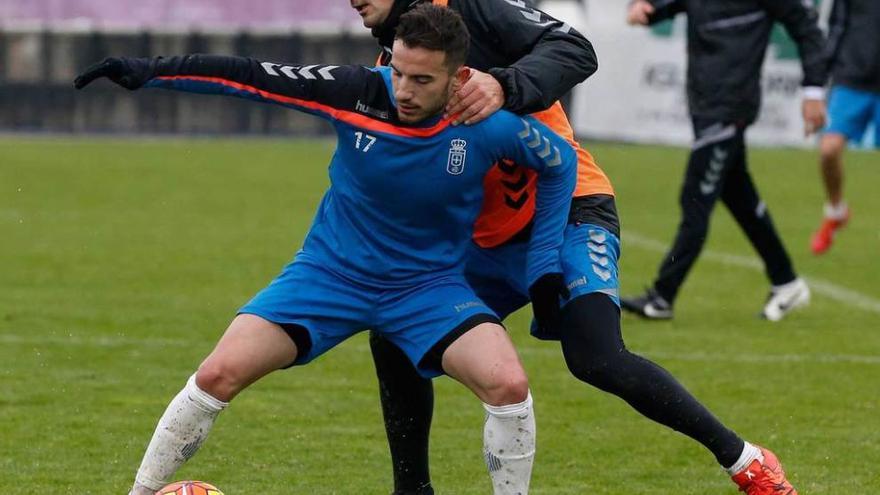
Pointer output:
422, 82
373, 12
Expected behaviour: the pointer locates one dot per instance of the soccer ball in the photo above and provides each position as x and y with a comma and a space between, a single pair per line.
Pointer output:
189, 488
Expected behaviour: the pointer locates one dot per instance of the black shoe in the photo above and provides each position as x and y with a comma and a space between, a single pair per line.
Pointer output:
650, 306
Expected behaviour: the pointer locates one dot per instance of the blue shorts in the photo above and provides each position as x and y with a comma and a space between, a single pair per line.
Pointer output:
850, 111
320, 308
589, 264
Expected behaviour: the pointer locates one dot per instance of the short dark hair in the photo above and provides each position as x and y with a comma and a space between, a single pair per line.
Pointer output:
435, 28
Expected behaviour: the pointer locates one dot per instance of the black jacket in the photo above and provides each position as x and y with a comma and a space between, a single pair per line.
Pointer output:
854, 44
727, 41
536, 58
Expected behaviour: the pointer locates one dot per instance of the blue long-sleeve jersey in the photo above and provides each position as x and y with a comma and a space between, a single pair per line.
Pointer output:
403, 198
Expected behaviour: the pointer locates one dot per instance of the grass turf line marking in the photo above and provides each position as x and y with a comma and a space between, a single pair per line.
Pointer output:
819, 286
92, 340
123, 341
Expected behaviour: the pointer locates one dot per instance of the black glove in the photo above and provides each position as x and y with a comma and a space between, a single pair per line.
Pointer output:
130, 73
547, 295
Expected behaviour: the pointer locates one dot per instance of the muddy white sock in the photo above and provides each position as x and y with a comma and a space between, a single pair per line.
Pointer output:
509, 446
178, 436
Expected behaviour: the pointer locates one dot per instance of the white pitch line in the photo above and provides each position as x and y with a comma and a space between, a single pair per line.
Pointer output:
819, 286
90, 340
39, 342
769, 358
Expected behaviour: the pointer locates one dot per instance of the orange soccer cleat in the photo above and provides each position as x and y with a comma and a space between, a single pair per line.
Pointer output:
823, 237
764, 476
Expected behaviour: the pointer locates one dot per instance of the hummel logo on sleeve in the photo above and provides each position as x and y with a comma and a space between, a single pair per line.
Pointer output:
525, 132
297, 72
533, 139
537, 141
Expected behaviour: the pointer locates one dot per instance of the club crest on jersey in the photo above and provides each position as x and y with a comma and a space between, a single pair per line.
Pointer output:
457, 155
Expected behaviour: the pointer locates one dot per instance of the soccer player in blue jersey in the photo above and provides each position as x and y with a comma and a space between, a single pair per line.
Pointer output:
386, 250
854, 103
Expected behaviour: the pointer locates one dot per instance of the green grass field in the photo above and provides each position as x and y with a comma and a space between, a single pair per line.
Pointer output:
121, 262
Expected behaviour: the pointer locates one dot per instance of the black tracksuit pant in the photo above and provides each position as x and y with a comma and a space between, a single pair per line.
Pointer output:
717, 169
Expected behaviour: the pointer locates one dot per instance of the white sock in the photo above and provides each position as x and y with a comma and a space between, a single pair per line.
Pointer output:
509, 446
836, 212
749, 454
178, 436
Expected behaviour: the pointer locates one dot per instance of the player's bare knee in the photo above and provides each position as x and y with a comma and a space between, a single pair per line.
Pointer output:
218, 380
828, 155
511, 387
831, 148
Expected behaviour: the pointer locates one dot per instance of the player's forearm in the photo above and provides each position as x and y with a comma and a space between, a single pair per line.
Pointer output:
321, 90
146, 71
815, 66
836, 28
665, 9
235, 76
313, 89
546, 57
197, 73
801, 23
554, 66
552, 204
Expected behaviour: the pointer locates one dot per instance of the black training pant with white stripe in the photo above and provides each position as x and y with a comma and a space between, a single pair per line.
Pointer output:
717, 169
594, 351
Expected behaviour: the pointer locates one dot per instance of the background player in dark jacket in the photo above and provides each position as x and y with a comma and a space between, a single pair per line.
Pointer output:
525, 61
727, 41
854, 56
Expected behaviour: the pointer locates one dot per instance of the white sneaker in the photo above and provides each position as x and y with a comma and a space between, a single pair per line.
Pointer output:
784, 298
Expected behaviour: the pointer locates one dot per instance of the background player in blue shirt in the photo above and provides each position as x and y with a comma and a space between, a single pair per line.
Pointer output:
853, 105
386, 249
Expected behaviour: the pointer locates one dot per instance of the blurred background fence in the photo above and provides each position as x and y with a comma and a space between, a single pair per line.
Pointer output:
637, 95
45, 43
